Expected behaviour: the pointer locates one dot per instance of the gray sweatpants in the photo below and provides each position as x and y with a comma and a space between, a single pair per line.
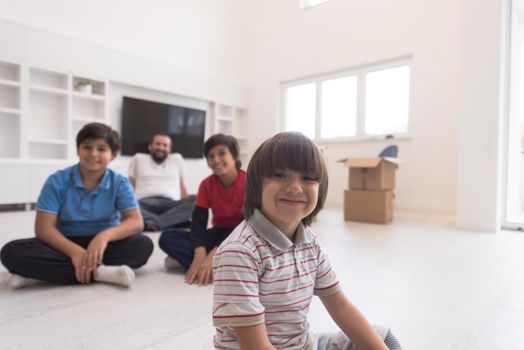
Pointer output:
161, 213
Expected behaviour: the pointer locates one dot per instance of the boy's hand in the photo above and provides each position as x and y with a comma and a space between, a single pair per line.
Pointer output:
82, 273
95, 252
205, 271
192, 272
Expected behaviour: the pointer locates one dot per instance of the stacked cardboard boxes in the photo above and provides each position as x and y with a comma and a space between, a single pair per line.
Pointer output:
371, 185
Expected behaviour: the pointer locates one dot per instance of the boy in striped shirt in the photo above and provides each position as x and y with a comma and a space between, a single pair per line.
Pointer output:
267, 271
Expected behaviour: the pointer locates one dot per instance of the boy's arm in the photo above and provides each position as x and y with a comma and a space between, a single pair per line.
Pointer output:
130, 224
131, 172
46, 231
352, 322
197, 234
253, 337
132, 181
183, 189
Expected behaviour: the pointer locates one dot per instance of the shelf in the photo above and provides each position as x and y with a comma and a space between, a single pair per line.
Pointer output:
225, 126
9, 72
46, 79
46, 150
47, 115
89, 87
225, 119
9, 83
12, 111
48, 90
87, 120
88, 108
9, 139
88, 96
48, 141
9, 97
224, 111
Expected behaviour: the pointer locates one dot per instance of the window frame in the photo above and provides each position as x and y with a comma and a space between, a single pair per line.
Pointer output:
360, 73
306, 4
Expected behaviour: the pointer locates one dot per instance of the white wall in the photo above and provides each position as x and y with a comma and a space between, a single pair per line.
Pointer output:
204, 36
481, 114
289, 43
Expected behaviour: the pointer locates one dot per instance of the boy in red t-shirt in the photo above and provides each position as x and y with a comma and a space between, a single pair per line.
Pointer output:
223, 193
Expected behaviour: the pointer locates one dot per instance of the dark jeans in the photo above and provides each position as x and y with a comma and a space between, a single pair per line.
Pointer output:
178, 244
33, 258
161, 213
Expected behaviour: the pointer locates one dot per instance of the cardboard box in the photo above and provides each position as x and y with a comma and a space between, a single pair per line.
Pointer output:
368, 206
371, 174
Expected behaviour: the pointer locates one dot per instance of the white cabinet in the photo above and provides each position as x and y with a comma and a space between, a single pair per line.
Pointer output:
10, 110
38, 174
231, 120
14, 188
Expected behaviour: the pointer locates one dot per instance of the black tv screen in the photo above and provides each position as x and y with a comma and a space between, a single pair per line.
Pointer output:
141, 119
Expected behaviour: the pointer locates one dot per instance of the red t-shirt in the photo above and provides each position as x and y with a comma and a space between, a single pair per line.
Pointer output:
225, 202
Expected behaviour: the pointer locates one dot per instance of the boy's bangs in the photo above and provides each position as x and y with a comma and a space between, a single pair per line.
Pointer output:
294, 154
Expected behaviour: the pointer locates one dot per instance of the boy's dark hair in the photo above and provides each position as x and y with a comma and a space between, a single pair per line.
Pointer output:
225, 140
286, 150
99, 131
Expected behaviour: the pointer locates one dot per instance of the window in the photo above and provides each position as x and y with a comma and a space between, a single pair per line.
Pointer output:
369, 101
304, 4
338, 107
387, 101
300, 109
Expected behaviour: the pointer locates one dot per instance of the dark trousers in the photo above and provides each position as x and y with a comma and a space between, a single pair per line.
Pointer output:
161, 213
178, 244
33, 258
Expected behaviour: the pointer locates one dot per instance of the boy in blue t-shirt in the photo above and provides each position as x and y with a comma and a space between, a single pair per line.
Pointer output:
87, 222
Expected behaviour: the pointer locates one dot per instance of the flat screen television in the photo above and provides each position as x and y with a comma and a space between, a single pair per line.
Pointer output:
141, 119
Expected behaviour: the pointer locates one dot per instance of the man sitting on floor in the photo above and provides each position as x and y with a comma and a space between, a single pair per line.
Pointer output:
158, 180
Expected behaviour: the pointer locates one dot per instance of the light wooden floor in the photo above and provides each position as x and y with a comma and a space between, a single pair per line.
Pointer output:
437, 287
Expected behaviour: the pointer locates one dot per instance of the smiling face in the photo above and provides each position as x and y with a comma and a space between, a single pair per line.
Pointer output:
220, 160
288, 197
94, 156
160, 148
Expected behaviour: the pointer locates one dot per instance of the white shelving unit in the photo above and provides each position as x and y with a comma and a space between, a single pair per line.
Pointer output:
47, 114
231, 120
88, 103
10, 110
41, 111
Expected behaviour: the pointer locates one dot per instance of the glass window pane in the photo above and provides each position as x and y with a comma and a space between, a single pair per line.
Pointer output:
339, 107
387, 101
300, 109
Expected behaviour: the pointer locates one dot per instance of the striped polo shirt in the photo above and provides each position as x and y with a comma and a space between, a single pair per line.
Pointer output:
261, 276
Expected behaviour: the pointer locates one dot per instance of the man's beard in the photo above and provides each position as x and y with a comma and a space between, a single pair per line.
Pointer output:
159, 157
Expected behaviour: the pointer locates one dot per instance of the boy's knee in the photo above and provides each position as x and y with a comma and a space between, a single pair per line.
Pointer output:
142, 246
8, 255
167, 238
147, 245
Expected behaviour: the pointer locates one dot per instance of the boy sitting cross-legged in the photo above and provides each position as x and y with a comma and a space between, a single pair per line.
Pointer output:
87, 222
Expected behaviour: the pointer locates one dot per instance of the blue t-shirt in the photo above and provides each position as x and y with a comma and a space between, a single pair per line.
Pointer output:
81, 212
